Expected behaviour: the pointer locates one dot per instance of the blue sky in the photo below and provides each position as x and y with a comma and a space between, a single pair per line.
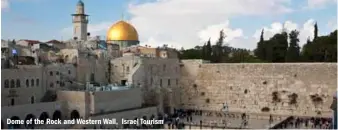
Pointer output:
179, 23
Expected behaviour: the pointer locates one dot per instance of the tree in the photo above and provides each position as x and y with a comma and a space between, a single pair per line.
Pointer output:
315, 32
14, 42
260, 50
208, 50
217, 49
293, 52
276, 48
204, 52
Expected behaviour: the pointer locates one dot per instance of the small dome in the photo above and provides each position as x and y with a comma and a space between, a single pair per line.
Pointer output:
122, 31
80, 3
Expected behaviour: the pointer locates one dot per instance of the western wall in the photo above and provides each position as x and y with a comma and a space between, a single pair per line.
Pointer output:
303, 89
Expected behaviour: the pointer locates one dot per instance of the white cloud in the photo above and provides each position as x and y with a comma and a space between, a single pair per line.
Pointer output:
4, 4
318, 3
306, 31
213, 31
187, 22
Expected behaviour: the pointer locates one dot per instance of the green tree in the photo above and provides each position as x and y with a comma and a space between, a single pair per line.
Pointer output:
260, 50
208, 50
293, 52
204, 52
277, 47
217, 52
315, 32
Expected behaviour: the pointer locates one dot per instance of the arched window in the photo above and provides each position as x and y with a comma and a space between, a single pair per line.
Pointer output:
51, 85
27, 83
32, 82
37, 82
18, 84
32, 100
6, 83
12, 83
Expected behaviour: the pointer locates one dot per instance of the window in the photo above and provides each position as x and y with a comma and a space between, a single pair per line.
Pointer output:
18, 83
32, 82
57, 72
37, 82
27, 83
57, 82
161, 83
32, 100
151, 81
12, 83
164, 66
51, 85
127, 69
6, 83
168, 82
12, 102
69, 72
51, 73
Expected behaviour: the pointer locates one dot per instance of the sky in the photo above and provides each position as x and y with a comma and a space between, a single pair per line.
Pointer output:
177, 23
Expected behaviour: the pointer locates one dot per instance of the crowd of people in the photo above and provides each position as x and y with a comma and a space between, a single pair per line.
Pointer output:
312, 123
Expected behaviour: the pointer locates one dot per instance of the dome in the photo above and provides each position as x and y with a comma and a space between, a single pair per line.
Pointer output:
80, 3
122, 31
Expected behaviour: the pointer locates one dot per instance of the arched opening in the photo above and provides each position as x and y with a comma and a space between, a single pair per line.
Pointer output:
12, 101
12, 83
74, 114
27, 83
14, 126
32, 82
57, 115
28, 117
18, 85
32, 100
43, 116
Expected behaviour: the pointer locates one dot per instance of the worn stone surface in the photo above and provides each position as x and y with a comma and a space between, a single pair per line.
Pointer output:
250, 87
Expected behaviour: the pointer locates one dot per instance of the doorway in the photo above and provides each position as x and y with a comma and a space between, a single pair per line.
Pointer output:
123, 82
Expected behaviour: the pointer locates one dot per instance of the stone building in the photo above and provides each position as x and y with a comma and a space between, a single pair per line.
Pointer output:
125, 80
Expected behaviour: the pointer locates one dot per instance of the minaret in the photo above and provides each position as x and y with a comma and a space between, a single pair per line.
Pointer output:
80, 22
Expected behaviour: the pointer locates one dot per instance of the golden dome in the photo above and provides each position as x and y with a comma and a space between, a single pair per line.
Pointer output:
122, 31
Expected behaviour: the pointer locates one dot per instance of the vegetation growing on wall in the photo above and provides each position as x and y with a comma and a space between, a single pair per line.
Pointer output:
207, 100
275, 97
316, 99
265, 109
293, 99
195, 86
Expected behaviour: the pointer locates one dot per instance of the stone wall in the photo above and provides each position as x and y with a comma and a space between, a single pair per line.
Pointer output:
284, 88
107, 101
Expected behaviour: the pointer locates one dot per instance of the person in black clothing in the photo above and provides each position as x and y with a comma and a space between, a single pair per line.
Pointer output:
270, 119
201, 124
